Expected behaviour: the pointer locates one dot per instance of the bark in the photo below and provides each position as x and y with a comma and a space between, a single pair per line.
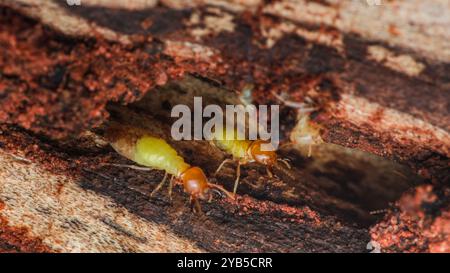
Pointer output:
377, 75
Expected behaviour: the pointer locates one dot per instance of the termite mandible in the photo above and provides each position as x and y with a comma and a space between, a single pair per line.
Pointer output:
155, 153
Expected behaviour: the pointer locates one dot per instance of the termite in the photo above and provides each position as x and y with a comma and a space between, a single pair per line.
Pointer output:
153, 152
244, 152
305, 132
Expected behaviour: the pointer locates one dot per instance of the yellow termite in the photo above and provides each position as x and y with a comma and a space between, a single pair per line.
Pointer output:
155, 153
244, 152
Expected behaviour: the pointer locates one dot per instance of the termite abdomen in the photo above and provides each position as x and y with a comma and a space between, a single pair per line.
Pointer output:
155, 153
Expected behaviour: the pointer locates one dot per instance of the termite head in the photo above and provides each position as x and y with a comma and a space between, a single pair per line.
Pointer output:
262, 156
195, 183
197, 186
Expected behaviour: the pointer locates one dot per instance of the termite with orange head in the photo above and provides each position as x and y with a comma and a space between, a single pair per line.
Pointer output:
155, 153
246, 151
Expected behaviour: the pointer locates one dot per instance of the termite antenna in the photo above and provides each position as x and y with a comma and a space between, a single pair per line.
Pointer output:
380, 211
222, 189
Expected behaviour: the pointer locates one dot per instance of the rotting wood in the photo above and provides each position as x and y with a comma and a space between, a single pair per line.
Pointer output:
380, 82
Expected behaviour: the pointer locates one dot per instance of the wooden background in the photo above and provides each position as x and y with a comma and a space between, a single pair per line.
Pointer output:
378, 76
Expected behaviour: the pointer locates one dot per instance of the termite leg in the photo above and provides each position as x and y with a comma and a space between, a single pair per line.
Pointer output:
170, 187
134, 167
222, 164
309, 150
238, 175
400, 174
159, 185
